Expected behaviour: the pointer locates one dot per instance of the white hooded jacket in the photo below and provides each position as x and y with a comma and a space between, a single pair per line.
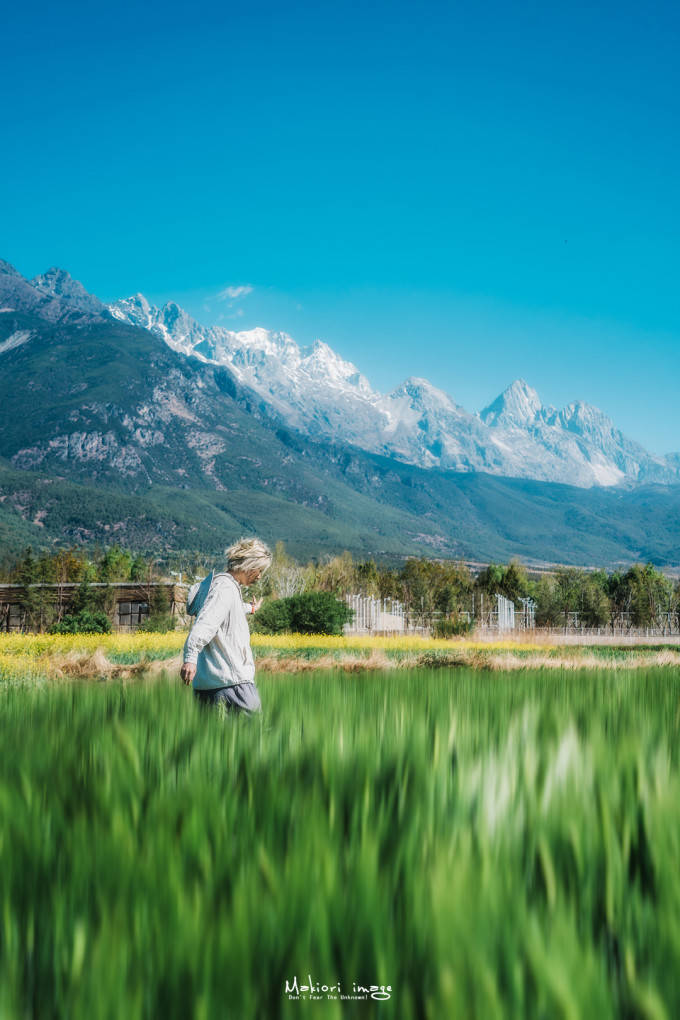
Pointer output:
219, 641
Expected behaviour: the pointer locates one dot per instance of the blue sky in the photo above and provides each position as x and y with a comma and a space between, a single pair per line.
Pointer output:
469, 193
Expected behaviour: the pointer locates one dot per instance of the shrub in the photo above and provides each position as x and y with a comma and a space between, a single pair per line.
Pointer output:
314, 612
318, 612
85, 622
273, 618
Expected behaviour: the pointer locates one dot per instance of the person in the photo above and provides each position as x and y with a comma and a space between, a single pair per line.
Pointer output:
218, 659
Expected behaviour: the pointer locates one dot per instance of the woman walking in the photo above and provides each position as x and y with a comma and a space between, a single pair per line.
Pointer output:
218, 659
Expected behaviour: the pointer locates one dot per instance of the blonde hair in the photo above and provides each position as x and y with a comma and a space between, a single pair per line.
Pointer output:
248, 554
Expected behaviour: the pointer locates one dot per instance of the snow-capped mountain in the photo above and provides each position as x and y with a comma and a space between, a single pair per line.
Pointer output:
316, 391
185, 454
517, 407
312, 388
580, 442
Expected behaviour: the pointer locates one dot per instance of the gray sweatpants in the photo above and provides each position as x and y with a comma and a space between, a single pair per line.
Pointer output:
239, 698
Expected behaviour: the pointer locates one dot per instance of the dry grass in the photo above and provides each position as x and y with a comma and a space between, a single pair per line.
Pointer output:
82, 665
349, 663
507, 661
468, 658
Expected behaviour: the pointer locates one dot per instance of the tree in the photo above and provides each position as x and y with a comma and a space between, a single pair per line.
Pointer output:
416, 579
488, 584
490, 579
446, 598
26, 574
68, 568
115, 564
26, 570
651, 595
285, 577
619, 594
389, 585
139, 568
368, 578
336, 575
568, 586
515, 582
511, 581
594, 608
570, 590
548, 609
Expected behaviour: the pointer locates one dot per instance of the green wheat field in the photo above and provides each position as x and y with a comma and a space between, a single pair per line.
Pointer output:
464, 843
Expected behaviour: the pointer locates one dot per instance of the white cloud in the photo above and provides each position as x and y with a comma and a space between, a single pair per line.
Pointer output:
235, 293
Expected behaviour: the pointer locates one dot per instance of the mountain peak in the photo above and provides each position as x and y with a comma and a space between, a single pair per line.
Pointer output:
58, 283
325, 357
8, 269
53, 296
322, 348
136, 310
518, 404
54, 276
417, 385
585, 418
422, 394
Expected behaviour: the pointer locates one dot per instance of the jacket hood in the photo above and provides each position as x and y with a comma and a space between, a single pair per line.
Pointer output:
198, 592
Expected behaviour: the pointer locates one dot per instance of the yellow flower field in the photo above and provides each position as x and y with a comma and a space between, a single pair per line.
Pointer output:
29, 656
38, 645
61, 644
402, 643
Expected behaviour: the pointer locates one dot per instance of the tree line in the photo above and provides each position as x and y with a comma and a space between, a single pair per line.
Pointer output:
639, 596
429, 590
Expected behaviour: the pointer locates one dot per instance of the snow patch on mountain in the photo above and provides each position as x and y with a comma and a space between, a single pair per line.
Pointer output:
17, 339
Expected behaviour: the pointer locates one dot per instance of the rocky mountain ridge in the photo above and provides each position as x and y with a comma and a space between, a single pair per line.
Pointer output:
313, 390
53, 296
319, 393
107, 433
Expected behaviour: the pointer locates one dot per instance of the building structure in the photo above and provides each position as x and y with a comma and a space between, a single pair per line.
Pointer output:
127, 603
